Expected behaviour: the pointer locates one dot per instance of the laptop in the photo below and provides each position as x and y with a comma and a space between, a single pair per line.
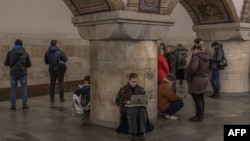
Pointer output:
137, 100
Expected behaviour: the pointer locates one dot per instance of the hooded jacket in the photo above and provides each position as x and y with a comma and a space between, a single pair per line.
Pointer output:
18, 60
53, 56
197, 73
217, 57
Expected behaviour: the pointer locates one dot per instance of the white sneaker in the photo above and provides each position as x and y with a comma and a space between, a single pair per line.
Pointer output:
172, 117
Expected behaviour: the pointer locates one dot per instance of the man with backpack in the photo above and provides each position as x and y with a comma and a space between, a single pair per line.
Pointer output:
181, 62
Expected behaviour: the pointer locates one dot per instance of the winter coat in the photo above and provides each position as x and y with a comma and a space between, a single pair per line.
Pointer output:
18, 60
166, 95
163, 69
217, 57
53, 56
171, 59
197, 73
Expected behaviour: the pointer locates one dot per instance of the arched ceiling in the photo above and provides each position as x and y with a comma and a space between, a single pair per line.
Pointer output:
200, 11
210, 11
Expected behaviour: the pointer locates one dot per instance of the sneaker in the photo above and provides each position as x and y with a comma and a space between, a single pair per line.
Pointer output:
12, 109
62, 100
172, 117
25, 108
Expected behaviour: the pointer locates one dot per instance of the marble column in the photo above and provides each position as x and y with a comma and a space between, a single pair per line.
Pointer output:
235, 39
121, 42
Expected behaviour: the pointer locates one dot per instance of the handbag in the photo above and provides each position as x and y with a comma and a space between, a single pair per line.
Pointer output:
62, 67
223, 63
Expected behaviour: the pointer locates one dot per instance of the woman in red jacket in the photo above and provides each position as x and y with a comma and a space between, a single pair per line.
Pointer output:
163, 69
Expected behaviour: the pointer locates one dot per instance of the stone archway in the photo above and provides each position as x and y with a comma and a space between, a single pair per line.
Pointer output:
210, 11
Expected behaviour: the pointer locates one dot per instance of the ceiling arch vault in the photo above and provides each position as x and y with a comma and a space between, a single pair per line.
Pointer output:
210, 11
200, 11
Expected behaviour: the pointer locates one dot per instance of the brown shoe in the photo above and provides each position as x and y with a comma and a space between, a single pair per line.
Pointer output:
62, 100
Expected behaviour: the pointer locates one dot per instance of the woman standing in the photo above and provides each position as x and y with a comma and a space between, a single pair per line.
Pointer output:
197, 74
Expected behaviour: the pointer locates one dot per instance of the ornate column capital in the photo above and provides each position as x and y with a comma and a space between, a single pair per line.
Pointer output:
223, 32
123, 25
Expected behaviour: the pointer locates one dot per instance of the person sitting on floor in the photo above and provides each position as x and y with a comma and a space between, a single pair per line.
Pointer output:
81, 97
168, 102
133, 120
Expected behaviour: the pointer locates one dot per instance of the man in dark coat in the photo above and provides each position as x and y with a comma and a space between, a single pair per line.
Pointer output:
215, 76
53, 57
197, 73
18, 60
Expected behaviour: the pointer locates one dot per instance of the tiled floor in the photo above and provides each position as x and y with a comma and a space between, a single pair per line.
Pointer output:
46, 122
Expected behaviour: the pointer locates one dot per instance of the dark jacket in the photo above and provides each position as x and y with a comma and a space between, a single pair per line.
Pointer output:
171, 59
53, 56
197, 73
181, 57
18, 60
217, 57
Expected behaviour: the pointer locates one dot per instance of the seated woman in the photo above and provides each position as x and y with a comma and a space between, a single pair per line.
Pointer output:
134, 120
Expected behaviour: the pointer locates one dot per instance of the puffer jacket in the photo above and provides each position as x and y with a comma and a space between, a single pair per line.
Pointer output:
18, 60
217, 57
53, 56
197, 73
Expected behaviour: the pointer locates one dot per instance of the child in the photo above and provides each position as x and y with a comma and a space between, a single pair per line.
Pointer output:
81, 97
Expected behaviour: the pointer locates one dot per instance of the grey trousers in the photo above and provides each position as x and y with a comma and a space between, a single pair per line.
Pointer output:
137, 119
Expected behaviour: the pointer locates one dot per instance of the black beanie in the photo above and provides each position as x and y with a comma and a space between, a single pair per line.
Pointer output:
19, 42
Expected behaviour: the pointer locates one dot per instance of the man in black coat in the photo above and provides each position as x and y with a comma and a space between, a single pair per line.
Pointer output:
53, 57
18, 60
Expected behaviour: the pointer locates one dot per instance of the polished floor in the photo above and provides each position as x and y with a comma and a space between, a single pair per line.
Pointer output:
46, 122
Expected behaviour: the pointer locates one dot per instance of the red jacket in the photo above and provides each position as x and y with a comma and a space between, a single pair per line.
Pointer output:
163, 69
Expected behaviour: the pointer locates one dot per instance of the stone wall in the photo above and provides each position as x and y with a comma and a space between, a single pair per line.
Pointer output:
36, 45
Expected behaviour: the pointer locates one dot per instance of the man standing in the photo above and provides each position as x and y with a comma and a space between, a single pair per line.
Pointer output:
181, 62
18, 60
171, 59
215, 76
53, 57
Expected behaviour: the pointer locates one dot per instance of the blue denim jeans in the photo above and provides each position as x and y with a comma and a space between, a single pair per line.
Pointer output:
13, 83
215, 81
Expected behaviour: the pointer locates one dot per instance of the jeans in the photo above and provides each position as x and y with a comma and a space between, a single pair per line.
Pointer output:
199, 104
13, 84
215, 81
59, 76
137, 119
174, 107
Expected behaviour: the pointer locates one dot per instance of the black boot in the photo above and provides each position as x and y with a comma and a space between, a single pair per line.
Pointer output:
196, 119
